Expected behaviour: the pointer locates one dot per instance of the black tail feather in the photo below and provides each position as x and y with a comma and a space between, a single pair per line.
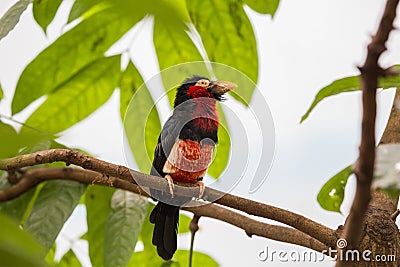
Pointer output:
165, 219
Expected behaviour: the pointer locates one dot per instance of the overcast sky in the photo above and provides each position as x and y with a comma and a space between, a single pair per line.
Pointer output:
309, 44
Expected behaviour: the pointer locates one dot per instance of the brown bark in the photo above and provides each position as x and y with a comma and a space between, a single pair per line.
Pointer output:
380, 234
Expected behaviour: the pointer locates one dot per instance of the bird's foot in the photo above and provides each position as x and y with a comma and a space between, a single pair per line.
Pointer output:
202, 187
170, 184
99, 179
110, 181
103, 179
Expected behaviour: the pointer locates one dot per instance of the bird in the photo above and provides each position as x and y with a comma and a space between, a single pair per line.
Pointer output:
184, 152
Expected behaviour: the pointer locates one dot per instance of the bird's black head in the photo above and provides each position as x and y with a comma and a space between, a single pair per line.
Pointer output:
198, 86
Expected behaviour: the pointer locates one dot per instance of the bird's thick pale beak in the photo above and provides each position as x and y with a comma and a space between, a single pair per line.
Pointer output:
221, 87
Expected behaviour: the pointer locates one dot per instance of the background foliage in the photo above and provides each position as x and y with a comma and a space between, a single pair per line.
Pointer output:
77, 76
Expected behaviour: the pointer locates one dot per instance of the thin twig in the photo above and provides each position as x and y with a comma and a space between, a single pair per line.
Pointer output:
24, 124
393, 217
194, 227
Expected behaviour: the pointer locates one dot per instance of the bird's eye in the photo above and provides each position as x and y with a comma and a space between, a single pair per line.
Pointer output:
203, 83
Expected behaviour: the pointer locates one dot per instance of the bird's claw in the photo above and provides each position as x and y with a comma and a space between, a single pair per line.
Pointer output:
202, 188
170, 184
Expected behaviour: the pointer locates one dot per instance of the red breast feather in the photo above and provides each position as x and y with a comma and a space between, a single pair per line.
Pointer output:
188, 160
205, 115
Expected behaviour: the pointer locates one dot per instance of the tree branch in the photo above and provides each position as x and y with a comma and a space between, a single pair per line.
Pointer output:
254, 227
370, 72
318, 231
32, 177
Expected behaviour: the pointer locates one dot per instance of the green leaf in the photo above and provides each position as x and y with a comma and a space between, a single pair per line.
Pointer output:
142, 126
131, 80
69, 260
78, 98
31, 203
144, 259
12, 16
1, 92
391, 80
331, 195
229, 39
98, 199
53, 206
69, 55
133, 9
350, 84
199, 259
184, 223
51, 255
44, 11
32, 140
173, 46
80, 7
149, 257
20, 207
16, 208
9, 142
147, 229
171, 96
173, 13
123, 227
18, 248
28, 141
263, 6
223, 147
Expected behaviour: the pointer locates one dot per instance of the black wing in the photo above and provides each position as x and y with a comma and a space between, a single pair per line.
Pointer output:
169, 135
166, 140
165, 217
